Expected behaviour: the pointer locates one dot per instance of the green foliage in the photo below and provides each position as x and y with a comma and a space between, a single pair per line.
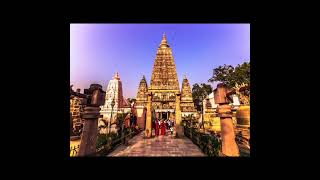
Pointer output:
107, 142
101, 140
230, 75
208, 143
199, 92
120, 119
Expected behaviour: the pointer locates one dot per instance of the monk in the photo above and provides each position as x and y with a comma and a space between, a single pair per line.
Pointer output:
157, 127
163, 128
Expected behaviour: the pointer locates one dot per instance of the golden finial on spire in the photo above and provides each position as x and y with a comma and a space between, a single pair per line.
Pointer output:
164, 39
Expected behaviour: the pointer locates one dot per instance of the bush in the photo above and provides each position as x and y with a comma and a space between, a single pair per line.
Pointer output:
107, 142
101, 140
120, 119
209, 144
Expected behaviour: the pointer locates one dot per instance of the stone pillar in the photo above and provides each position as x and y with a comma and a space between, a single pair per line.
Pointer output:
178, 111
229, 146
141, 116
90, 128
179, 128
148, 131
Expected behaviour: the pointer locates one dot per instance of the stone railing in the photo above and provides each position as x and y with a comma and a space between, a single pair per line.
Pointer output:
210, 144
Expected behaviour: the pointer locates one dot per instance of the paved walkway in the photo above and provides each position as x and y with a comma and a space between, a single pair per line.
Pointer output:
158, 146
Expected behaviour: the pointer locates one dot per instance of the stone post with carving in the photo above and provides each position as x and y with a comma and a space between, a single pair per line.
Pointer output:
229, 146
148, 131
178, 127
90, 128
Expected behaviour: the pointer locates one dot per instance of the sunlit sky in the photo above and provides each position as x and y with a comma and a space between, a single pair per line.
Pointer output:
97, 51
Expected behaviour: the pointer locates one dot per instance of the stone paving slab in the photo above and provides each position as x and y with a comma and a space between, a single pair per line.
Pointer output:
160, 146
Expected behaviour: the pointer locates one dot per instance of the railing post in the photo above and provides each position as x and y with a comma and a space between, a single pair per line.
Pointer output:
90, 128
178, 127
148, 132
229, 146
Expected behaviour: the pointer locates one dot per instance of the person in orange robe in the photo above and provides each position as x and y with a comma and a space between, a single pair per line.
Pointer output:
163, 128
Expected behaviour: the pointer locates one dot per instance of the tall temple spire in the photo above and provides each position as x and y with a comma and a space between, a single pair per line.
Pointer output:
164, 74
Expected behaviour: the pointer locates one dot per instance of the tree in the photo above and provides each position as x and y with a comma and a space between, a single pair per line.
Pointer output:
230, 75
199, 92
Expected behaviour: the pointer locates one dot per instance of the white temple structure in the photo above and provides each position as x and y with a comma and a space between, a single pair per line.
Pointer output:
235, 104
113, 93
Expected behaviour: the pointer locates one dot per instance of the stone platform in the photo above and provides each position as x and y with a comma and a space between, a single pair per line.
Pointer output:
161, 146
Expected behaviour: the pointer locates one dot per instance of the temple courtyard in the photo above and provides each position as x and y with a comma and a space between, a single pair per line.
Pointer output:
157, 146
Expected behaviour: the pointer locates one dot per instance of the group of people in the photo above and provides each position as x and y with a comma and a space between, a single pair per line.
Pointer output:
161, 126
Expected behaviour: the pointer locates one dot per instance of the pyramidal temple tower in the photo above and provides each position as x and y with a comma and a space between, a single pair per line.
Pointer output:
163, 97
113, 93
164, 84
187, 105
164, 74
141, 102
142, 93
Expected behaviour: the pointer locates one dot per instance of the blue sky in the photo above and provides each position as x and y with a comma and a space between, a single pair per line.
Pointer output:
97, 51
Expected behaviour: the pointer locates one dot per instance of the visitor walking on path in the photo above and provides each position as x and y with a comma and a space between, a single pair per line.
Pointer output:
163, 127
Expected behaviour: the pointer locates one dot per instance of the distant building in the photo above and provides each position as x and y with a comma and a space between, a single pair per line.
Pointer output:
210, 114
235, 104
114, 94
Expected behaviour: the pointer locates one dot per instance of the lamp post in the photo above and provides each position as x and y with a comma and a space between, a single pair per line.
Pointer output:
109, 125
